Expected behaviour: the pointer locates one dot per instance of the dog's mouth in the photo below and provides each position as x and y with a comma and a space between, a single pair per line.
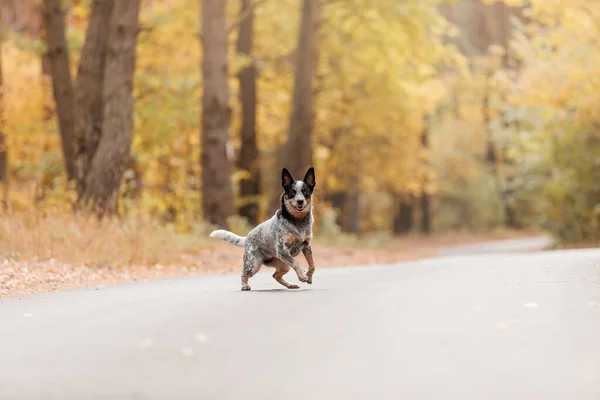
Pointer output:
300, 208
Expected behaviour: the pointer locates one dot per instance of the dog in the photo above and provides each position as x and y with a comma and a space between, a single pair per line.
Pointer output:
278, 240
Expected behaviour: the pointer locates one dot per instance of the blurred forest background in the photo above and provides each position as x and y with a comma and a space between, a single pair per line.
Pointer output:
418, 116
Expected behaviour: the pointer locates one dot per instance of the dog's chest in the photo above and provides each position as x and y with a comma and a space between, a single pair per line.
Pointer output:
295, 243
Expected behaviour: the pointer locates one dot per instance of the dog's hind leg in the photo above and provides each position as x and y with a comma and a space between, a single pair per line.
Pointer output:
281, 269
252, 264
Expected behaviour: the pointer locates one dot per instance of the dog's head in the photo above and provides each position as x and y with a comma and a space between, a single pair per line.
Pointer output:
297, 196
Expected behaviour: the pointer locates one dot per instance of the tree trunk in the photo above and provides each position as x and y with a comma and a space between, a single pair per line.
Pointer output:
490, 145
113, 153
350, 216
299, 144
337, 200
62, 86
248, 161
425, 198
217, 193
3, 152
89, 88
273, 181
403, 222
26, 17
425, 213
42, 37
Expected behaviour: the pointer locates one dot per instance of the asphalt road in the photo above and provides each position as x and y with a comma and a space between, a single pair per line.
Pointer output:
536, 243
521, 326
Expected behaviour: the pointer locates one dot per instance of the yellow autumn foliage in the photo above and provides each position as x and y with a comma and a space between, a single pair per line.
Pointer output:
377, 81
388, 72
554, 102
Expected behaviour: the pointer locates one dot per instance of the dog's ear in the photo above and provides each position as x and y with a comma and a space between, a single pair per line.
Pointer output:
286, 179
309, 178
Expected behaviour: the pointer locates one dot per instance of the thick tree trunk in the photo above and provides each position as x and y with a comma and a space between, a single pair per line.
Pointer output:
113, 153
217, 193
58, 55
299, 144
403, 221
248, 161
89, 88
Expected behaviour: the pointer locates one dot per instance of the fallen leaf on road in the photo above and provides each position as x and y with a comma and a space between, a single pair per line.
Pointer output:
187, 352
200, 337
147, 343
502, 326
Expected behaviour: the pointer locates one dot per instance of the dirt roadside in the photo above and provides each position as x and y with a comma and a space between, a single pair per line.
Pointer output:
19, 277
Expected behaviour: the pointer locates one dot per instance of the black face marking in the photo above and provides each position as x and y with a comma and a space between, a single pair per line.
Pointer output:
298, 189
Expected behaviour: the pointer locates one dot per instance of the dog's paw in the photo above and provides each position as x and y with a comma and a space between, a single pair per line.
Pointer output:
292, 286
302, 277
246, 288
310, 276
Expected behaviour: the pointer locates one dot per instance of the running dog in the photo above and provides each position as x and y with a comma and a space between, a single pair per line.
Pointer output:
278, 240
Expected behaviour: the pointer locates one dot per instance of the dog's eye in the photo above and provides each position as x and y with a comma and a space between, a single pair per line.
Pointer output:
292, 193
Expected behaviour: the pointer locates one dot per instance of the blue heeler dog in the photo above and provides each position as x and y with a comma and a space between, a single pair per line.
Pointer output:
277, 241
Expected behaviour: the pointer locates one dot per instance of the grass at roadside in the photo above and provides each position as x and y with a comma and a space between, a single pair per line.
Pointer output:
85, 240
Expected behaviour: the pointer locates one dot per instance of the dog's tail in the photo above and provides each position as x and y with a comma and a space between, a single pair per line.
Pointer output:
229, 237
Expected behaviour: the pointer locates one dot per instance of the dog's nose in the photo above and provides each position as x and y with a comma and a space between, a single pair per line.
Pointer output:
300, 202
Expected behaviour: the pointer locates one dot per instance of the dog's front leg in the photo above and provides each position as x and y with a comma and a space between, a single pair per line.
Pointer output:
285, 255
307, 251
